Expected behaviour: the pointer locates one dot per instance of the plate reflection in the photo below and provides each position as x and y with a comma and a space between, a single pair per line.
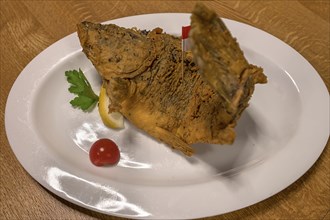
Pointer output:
104, 198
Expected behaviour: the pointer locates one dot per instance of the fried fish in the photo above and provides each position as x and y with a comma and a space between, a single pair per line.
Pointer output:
164, 92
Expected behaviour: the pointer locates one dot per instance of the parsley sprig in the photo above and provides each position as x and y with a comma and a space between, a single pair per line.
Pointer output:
86, 98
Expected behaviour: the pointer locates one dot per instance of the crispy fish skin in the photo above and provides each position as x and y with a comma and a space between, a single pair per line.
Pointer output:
109, 47
144, 80
221, 61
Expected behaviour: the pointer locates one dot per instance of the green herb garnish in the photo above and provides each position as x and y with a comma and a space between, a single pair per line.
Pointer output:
86, 98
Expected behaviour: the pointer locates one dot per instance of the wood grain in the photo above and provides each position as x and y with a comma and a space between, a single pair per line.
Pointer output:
29, 27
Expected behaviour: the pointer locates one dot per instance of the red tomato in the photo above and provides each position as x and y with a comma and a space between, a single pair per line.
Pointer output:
104, 152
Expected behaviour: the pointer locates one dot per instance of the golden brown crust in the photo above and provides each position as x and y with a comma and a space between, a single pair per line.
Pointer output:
162, 94
221, 61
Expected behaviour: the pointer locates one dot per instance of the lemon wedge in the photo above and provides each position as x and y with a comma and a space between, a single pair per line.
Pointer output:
113, 119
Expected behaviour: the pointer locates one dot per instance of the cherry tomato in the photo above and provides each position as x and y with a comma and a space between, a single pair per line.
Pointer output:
104, 152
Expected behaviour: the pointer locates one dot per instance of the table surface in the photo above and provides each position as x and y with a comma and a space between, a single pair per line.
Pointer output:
29, 27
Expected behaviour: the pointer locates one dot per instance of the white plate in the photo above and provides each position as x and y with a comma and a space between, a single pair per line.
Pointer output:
279, 136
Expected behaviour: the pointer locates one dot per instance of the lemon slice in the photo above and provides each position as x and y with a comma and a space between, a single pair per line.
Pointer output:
113, 119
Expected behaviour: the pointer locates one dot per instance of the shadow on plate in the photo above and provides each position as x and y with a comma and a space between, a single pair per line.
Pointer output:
228, 160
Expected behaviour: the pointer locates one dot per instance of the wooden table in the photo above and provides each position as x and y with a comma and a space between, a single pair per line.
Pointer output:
28, 27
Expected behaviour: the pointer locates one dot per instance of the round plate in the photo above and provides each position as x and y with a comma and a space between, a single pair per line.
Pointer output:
279, 136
